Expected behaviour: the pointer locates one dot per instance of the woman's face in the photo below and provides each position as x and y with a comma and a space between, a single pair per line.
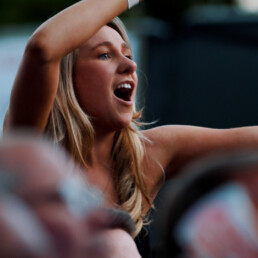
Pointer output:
105, 80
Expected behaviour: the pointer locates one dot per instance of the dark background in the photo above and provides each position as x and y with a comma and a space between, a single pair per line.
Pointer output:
206, 74
200, 57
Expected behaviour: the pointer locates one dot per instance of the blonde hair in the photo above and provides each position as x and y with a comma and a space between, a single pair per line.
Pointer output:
70, 126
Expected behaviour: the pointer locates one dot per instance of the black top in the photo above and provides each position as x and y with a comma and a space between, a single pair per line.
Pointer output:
143, 243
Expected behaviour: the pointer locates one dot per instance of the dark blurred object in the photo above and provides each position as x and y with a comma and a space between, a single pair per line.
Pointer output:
211, 210
173, 10
206, 74
30, 11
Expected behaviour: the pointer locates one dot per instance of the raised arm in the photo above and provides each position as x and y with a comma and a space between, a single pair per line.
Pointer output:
174, 146
36, 82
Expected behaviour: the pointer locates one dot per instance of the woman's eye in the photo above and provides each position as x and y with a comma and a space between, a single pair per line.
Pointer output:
104, 56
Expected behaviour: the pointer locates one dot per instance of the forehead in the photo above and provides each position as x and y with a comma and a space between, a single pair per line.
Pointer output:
104, 34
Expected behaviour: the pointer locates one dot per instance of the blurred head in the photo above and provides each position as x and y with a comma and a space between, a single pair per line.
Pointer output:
52, 185
55, 190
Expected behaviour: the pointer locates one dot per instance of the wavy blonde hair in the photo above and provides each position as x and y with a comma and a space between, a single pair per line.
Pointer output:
70, 126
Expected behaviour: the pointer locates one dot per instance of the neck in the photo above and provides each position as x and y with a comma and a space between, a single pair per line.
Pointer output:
100, 166
101, 150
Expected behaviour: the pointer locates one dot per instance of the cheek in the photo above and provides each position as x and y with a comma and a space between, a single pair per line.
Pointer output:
82, 78
84, 85
91, 79
92, 72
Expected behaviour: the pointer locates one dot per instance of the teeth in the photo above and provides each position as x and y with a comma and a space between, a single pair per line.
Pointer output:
124, 86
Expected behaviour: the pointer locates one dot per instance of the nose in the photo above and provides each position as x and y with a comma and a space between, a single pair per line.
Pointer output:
127, 65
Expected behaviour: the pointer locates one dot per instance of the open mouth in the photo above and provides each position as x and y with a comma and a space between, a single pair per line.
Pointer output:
124, 91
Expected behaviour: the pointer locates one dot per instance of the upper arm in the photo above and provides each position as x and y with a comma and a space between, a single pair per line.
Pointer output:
36, 83
175, 146
33, 91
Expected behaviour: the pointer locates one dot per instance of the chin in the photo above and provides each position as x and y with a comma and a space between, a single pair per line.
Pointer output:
123, 123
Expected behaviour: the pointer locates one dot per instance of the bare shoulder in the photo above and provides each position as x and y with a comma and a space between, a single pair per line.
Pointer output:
175, 145
168, 135
160, 132
164, 142
157, 155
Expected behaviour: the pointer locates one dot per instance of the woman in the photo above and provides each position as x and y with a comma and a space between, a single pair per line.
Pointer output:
77, 83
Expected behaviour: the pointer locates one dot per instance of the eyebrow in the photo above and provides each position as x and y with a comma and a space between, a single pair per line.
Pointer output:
109, 44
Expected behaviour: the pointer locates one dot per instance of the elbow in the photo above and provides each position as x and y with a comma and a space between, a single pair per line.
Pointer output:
39, 47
